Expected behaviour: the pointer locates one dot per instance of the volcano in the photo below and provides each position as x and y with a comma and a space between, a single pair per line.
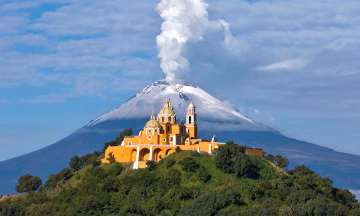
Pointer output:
214, 117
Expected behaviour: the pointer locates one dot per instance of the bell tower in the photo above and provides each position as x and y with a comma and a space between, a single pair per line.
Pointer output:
191, 122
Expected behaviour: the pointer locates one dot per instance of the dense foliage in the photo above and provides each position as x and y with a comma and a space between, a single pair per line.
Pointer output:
118, 140
27, 183
188, 183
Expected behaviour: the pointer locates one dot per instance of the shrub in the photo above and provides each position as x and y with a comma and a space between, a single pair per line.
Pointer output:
151, 165
204, 175
77, 176
170, 163
89, 158
177, 149
27, 183
270, 157
55, 178
95, 163
111, 185
210, 204
194, 153
189, 164
115, 169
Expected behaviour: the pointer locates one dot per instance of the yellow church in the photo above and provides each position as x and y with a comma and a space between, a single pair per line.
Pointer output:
160, 136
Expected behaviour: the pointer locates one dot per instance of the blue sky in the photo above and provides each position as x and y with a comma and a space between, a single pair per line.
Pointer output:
294, 67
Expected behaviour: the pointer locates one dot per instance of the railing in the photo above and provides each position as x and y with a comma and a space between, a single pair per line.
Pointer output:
149, 145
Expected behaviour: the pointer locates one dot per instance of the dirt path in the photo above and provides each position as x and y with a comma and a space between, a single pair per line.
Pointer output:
3, 198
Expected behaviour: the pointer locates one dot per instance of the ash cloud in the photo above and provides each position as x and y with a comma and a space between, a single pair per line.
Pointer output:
184, 21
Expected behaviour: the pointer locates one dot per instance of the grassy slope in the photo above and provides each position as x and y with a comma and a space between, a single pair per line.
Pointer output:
189, 180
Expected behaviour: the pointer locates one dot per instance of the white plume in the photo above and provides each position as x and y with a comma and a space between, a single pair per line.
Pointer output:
184, 20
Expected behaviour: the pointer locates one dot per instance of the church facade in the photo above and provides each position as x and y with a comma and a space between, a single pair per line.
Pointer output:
161, 136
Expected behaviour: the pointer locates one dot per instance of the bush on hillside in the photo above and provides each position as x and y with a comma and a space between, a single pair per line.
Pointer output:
115, 169
90, 158
189, 164
210, 204
204, 174
27, 183
151, 165
55, 178
270, 157
194, 153
177, 149
170, 162
75, 163
231, 158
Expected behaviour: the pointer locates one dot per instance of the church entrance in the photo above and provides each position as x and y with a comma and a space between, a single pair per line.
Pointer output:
144, 154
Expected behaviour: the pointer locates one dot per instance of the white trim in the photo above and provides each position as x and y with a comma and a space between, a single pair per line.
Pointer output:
151, 153
136, 164
148, 145
174, 140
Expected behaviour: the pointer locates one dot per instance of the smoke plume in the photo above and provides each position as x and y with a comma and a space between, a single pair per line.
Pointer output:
184, 20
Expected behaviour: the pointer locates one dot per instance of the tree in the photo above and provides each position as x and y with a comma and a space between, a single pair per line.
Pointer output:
27, 183
55, 178
170, 162
189, 164
151, 165
231, 158
281, 161
111, 158
210, 204
177, 149
118, 140
270, 157
75, 163
204, 175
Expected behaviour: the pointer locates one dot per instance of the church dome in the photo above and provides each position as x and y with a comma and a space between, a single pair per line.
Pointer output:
191, 105
167, 111
152, 124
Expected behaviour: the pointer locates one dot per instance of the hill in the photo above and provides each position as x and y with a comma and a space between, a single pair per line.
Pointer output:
214, 116
189, 183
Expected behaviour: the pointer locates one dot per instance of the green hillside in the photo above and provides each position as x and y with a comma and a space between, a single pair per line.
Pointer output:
188, 183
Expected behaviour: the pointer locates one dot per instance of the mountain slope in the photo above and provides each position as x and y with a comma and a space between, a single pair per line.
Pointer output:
214, 116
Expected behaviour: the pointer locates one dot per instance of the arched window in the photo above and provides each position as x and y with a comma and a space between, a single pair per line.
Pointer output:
168, 128
182, 129
189, 119
163, 119
169, 119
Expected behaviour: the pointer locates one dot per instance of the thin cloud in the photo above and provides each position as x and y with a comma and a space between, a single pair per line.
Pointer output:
4, 102
289, 65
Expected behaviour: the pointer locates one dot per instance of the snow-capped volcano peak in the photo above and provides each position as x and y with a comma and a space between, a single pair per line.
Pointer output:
213, 114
